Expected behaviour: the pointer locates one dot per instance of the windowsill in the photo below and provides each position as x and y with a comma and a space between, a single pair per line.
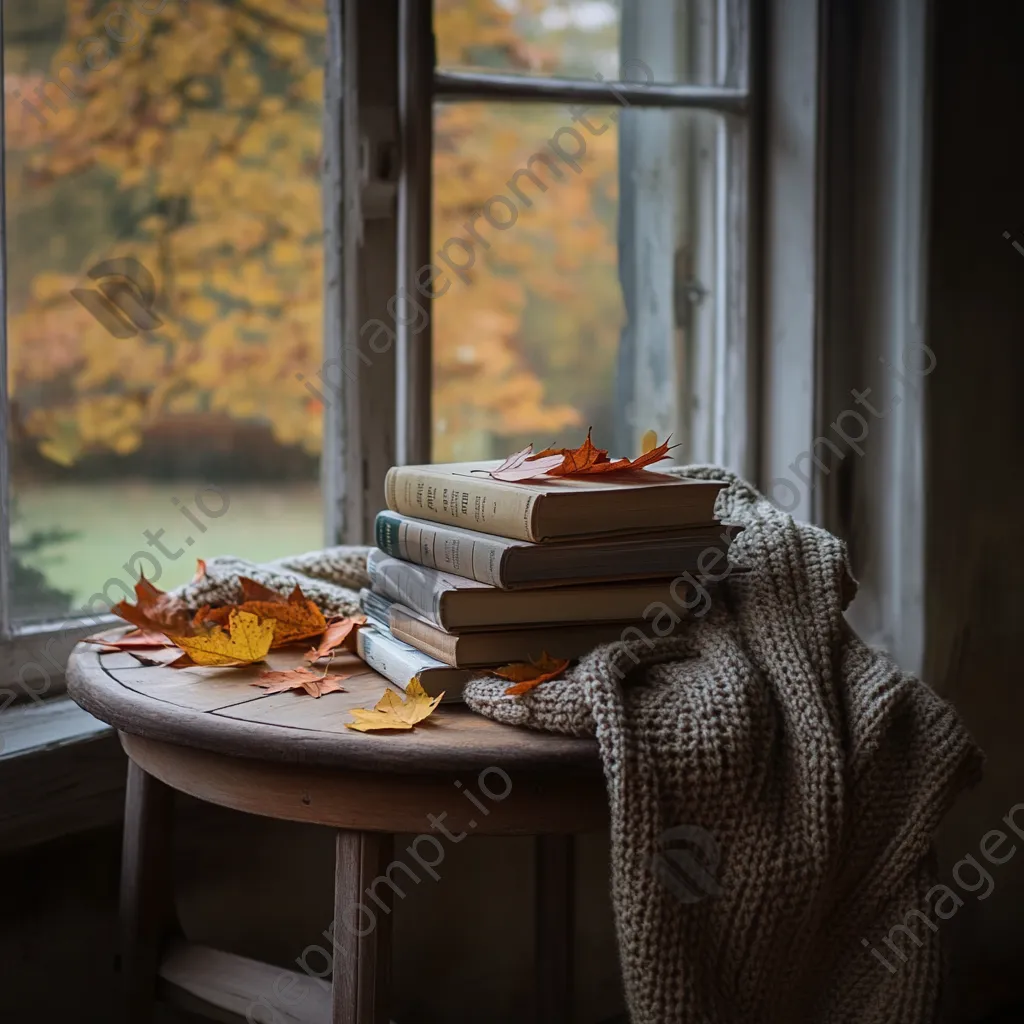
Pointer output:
61, 771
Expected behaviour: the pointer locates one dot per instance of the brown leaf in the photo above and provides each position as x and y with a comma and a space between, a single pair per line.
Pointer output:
589, 460
252, 590
136, 639
341, 633
394, 712
155, 611
527, 675
295, 617
524, 465
316, 684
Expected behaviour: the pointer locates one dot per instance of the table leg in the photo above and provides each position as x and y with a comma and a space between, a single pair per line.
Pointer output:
147, 888
362, 929
555, 878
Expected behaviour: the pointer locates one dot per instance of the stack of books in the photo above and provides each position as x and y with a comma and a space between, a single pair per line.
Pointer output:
472, 573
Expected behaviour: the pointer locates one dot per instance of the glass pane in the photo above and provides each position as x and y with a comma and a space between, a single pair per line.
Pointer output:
164, 245
633, 40
575, 272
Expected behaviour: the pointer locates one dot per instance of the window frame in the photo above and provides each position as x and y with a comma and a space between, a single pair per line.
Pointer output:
784, 353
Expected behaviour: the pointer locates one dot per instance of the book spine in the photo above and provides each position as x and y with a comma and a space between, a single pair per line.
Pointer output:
395, 661
441, 547
375, 607
415, 586
474, 503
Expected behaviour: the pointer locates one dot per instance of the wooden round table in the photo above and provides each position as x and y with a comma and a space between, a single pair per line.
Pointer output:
212, 734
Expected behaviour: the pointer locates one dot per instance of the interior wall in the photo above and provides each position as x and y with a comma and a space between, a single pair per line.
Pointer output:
975, 567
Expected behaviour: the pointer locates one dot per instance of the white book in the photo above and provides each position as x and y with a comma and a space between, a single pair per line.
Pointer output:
400, 662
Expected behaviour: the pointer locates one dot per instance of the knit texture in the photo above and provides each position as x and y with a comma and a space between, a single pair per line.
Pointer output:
807, 763
816, 768
331, 578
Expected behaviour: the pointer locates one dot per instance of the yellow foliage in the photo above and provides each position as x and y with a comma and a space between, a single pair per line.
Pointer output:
211, 131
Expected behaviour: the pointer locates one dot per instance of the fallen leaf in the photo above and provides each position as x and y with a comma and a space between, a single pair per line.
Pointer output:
528, 674
316, 684
200, 573
655, 453
253, 590
247, 640
295, 617
577, 460
155, 611
341, 633
392, 712
589, 460
524, 465
168, 656
137, 638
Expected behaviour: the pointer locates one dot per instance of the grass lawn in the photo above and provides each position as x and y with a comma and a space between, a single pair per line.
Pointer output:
260, 521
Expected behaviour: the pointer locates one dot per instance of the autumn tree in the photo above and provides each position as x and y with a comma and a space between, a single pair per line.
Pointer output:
204, 130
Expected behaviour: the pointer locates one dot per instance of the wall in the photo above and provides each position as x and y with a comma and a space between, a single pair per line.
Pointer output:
975, 566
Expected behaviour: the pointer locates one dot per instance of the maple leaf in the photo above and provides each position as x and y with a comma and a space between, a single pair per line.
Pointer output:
133, 640
247, 640
392, 712
253, 590
341, 633
524, 465
589, 460
155, 611
316, 684
525, 675
295, 617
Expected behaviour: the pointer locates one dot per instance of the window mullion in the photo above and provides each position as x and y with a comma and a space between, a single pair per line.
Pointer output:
413, 315
643, 91
360, 262
5, 506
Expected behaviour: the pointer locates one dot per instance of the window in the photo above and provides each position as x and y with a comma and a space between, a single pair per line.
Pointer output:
164, 254
258, 252
587, 237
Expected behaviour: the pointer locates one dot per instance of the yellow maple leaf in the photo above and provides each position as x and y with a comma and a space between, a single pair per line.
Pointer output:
248, 639
392, 712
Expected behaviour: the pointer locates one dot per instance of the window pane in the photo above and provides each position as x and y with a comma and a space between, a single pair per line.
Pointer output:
635, 40
576, 278
164, 246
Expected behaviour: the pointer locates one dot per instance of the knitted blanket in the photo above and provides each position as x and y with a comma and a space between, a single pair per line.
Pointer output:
774, 785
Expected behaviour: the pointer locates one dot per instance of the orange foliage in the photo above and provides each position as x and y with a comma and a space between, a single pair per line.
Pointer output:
208, 128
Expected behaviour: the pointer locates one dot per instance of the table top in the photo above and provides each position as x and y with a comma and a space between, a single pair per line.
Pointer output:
220, 710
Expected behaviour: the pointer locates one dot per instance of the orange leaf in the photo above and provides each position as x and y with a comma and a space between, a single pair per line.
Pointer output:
155, 611
523, 465
655, 454
295, 617
580, 460
316, 684
527, 675
252, 590
589, 460
338, 634
200, 573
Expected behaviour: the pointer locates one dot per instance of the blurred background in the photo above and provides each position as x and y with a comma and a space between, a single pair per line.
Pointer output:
189, 140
